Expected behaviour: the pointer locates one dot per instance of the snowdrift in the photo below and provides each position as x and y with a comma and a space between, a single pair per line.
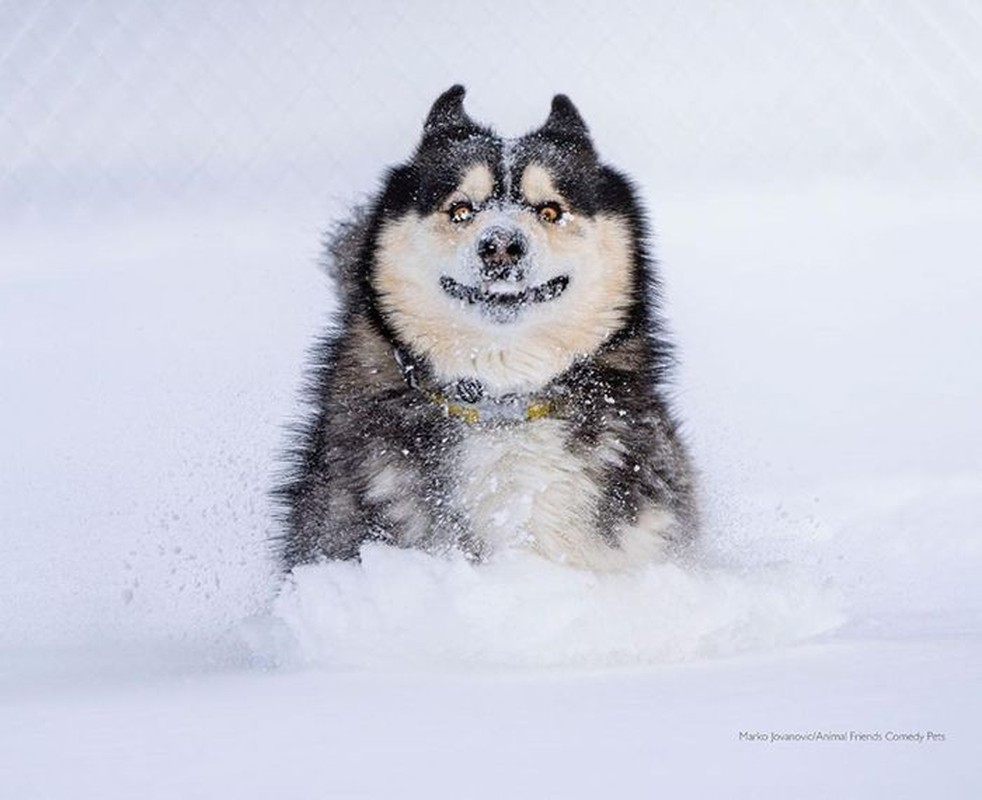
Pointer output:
400, 608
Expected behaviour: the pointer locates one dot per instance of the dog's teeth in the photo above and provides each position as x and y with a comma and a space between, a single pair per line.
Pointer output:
501, 287
504, 294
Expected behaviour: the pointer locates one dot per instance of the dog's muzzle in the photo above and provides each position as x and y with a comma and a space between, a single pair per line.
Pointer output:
502, 289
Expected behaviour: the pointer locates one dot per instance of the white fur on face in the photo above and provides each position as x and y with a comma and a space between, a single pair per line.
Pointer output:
537, 186
476, 185
545, 338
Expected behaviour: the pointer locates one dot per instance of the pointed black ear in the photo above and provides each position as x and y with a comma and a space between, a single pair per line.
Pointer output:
563, 117
448, 111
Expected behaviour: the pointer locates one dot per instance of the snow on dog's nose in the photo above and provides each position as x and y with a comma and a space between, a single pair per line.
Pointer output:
501, 251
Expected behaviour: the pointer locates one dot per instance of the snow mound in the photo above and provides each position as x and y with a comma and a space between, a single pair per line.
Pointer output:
400, 608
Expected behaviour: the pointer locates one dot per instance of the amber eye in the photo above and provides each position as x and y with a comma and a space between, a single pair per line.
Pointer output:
461, 211
550, 212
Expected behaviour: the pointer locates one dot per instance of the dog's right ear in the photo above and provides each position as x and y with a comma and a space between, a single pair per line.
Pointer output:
448, 111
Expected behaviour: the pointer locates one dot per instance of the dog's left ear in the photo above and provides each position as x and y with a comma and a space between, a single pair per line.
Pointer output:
565, 119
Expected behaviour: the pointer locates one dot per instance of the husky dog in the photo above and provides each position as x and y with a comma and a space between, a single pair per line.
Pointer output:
494, 377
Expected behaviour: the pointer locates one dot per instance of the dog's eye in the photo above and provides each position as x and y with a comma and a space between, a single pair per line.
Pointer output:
549, 212
461, 211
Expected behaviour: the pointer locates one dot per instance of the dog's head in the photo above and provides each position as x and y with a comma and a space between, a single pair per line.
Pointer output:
505, 261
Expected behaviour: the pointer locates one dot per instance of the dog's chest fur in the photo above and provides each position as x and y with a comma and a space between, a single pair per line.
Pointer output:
519, 484
523, 486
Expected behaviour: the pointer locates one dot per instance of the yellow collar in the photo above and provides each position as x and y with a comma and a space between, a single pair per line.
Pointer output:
489, 411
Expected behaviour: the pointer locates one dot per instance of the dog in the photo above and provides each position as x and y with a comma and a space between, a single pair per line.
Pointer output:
495, 375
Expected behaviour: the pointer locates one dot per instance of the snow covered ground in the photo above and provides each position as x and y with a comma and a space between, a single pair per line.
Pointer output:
813, 175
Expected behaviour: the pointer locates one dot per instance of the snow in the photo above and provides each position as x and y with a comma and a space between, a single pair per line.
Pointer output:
624, 733
167, 175
408, 609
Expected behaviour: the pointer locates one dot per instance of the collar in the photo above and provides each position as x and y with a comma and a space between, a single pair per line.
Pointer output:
508, 409
466, 400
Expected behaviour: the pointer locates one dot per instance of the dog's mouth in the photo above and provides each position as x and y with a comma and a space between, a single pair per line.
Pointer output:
499, 298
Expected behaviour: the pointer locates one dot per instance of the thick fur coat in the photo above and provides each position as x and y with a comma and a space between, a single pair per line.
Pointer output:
495, 377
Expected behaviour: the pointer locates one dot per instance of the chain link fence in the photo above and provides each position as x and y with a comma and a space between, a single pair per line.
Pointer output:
147, 103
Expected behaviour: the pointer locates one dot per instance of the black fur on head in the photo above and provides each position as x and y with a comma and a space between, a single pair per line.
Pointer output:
452, 142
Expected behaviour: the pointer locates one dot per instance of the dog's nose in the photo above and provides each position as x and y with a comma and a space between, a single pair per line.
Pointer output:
501, 251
